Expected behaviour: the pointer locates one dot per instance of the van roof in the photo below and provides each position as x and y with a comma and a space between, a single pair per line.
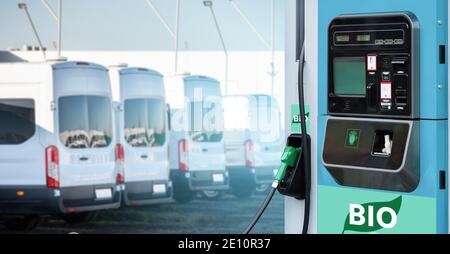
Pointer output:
199, 78
78, 64
139, 70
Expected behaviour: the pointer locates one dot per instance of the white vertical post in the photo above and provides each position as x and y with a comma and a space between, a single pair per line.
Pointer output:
59, 27
272, 63
177, 33
294, 209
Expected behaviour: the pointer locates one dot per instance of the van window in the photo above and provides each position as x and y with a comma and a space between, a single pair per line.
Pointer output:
206, 124
17, 121
145, 122
85, 121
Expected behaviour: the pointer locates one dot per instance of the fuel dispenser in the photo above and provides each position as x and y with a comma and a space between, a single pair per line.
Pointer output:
373, 124
382, 124
379, 139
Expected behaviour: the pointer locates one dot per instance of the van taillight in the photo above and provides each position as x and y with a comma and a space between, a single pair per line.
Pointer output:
249, 154
183, 155
52, 166
120, 160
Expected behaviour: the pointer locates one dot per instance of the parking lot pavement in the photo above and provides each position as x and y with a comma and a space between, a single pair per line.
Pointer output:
227, 215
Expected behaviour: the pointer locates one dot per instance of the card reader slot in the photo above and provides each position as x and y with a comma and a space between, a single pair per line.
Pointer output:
401, 98
401, 101
400, 93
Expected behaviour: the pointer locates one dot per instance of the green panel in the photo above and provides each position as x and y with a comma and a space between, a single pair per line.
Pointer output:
415, 214
295, 119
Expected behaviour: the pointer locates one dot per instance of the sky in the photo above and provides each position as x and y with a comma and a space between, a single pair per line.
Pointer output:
132, 25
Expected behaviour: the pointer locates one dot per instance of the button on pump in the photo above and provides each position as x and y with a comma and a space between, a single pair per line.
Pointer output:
399, 61
399, 41
386, 76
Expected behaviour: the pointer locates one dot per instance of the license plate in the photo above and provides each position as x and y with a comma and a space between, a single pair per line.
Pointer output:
159, 188
103, 193
218, 178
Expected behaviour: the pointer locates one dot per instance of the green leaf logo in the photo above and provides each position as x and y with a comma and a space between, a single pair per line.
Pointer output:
353, 137
372, 216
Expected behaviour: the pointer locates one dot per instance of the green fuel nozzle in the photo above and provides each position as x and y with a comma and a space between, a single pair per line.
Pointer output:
289, 158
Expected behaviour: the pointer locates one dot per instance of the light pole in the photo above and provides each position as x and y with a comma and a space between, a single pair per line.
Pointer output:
269, 46
58, 20
173, 34
177, 33
50, 9
272, 63
160, 17
209, 4
23, 6
59, 27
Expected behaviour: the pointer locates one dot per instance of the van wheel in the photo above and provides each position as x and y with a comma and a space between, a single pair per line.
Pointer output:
211, 194
79, 218
243, 191
24, 223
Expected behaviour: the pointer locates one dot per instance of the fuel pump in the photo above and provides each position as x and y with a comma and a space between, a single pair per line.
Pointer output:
382, 119
382, 144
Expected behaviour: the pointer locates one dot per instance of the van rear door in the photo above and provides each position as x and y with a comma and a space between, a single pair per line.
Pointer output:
206, 147
86, 137
145, 139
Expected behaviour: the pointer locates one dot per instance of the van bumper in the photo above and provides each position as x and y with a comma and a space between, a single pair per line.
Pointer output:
142, 193
259, 175
43, 200
200, 180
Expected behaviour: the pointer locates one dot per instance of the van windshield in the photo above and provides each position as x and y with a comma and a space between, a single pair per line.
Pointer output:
145, 122
17, 121
206, 122
85, 121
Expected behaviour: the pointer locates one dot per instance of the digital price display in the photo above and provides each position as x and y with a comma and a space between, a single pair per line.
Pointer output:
343, 38
363, 37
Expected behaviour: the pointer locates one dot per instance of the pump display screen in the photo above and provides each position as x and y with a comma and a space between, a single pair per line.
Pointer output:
363, 37
349, 76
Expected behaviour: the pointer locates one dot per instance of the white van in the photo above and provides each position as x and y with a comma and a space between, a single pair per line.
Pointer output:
197, 155
253, 141
143, 132
57, 147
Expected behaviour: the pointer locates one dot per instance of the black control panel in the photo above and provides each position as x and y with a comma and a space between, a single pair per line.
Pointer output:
372, 66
